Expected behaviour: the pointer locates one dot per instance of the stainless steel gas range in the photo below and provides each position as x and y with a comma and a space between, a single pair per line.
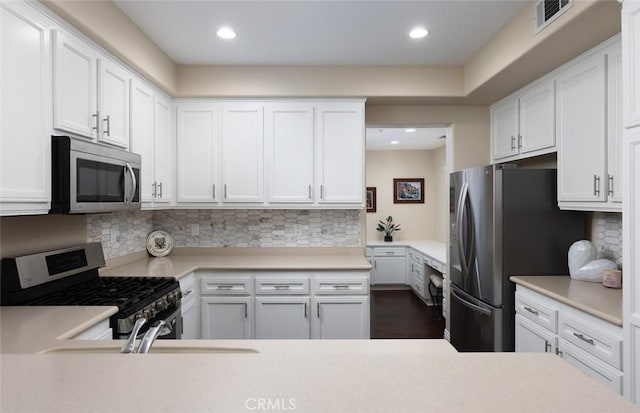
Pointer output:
70, 277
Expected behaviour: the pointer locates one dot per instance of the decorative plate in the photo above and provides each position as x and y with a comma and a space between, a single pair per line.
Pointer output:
159, 243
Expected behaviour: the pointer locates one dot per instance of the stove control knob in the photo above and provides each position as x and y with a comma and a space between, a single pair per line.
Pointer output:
172, 298
148, 313
161, 305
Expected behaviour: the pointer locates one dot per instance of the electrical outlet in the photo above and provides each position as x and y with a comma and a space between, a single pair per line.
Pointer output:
195, 229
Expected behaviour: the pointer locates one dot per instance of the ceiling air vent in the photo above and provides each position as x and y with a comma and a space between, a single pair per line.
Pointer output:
549, 10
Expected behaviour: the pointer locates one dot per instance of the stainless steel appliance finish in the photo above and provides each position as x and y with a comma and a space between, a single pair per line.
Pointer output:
503, 221
88, 177
70, 276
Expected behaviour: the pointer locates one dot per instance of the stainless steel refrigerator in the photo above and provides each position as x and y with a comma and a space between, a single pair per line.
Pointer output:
503, 221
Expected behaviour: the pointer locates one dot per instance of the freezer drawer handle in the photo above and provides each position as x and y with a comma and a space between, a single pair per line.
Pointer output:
532, 311
471, 305
583, 338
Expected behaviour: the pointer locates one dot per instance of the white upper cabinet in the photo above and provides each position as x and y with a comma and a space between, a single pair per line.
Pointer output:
75, 86
242, 152
631, 44
142, 139
589, 130
151, 137
340, 153
25, 129
197, 148
523, 125
91, 93
289, 152
113, 93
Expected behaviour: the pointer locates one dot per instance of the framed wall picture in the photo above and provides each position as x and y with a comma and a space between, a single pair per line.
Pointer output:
408, 190
371, 199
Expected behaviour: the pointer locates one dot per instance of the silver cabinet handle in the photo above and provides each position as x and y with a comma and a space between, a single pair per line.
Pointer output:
513, 143
532, 311
225, 287
559, 352
390, 253
108, 130
282, 287
214, 191
596, 185
547, 347
154, 190
309, 191
610, 185
318, 309
225, 191
321, 191
97, 117
305, 309
341, 287
160, 186
519, 141
186, 293
583, 338
375, 264
246, 310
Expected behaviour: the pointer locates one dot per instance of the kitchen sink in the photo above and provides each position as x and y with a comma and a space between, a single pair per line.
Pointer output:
154, 350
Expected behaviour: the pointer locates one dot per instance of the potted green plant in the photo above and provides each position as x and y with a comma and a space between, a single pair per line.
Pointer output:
388, 227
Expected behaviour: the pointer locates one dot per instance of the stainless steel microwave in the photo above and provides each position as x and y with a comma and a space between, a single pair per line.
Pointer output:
88, 177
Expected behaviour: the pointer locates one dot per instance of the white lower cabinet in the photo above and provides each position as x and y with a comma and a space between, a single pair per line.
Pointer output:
389, 265
190, 313
99, 331
340, 317
227, 317
282, 318
589, 343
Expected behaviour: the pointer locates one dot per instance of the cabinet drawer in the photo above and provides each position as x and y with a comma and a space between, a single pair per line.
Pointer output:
284, 286
411, 253
340, 286
226, 286
389, 252
535, 311
436, 265
591, 366
594, 341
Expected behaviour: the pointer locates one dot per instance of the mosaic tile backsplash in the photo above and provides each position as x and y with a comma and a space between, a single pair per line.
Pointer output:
607, 230
126, 232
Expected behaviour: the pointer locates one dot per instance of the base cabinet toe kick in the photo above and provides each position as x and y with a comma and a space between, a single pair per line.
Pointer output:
277, 305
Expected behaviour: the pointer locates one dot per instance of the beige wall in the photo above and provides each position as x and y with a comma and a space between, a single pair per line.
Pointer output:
418, 221
106, 24
29, 234
470, 127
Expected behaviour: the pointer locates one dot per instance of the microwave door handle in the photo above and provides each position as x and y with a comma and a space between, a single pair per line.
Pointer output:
134, 184
126, 183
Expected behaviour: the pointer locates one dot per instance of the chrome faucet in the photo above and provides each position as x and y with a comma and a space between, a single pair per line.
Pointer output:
130, 345
150, 336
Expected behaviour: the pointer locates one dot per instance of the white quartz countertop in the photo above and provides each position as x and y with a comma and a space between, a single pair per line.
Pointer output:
180, 265
592, 298
435, 249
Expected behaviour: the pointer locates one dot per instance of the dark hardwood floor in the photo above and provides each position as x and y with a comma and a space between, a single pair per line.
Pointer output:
401, 314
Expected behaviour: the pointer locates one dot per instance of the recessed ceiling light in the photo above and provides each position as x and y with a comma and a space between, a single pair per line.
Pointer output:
410, 130
418, 33
395, 142
226, 33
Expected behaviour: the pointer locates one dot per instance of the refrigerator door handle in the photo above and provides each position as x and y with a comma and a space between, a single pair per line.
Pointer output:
470, 305
459, 213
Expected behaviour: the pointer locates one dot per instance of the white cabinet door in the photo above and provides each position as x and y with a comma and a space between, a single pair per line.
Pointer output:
197, 148
289, 152
340, 153
164, 149
190, 330
390, 270
504, 129
226, 317
25, 129
581, 131
74, 86
630, 45
142, 139
537, 118
242, 152
590, 365
282, 318
113, 93
345, 317
531, 338
614, 124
